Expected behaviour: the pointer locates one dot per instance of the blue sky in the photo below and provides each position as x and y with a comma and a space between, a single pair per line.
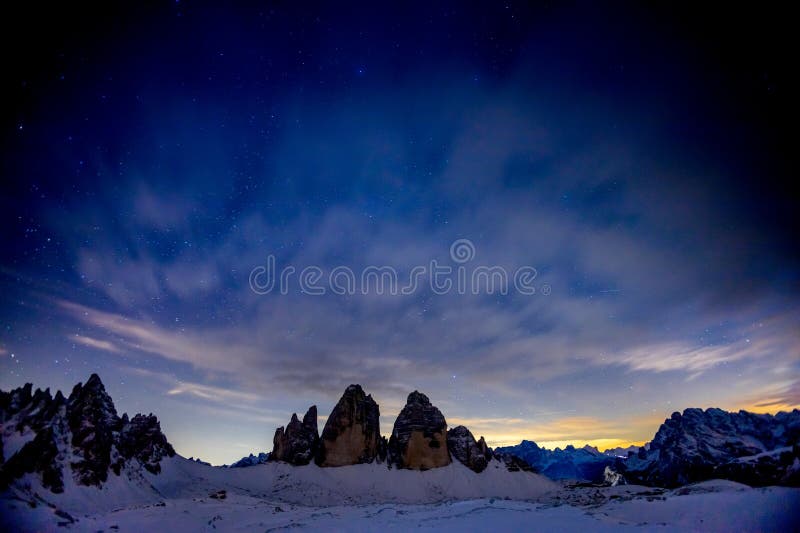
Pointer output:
150, 166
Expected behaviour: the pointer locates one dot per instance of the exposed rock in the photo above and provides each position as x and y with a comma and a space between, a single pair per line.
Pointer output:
383, 449
85, 427
142, 439
39, 455
697, 445
779, 467
352, 431
419, 436
34, 411
297, 444
513, 463
462, 445
92, 420
612, 478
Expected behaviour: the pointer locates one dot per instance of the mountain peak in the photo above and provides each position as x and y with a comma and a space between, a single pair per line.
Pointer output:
352, 431
417, 397
94, 381
419, 435
310, 418
698, 444
296, 443
475, 455
354, 389
85, 427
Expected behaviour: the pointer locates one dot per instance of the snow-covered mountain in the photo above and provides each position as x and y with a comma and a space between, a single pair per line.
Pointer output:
74, 462
189, 496
81, 437
582, 464
757, 449
251, 460
58, 442
76, 456
81, 452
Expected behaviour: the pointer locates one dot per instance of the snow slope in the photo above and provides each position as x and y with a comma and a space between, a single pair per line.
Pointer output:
370, 483
182, 479
711, 506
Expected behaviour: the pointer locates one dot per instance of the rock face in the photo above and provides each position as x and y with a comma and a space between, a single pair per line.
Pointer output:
383, 449
513, 463
757, 449
297, 444
419, 436
142, 439
84, 428
93, 421
41, 455
462, 445
352, 431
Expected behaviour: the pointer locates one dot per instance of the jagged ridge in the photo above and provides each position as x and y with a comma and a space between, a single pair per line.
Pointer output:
81, 435
757, 449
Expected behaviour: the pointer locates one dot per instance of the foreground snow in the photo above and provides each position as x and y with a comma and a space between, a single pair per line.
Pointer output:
371, 497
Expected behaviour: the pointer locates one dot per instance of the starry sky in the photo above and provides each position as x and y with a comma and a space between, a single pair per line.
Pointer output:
639, 158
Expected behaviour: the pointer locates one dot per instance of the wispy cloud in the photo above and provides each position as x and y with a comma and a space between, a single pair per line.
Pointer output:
225, 401
577, 430
780, 396
768, 338
210, 393
208, 352
98, 344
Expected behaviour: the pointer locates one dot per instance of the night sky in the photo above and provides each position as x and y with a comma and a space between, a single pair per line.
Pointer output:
638, 158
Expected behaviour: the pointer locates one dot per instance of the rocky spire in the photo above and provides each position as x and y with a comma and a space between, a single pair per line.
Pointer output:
84, 427
92, 420
297, 444
462, 445
352, 431
141, 438
418, 438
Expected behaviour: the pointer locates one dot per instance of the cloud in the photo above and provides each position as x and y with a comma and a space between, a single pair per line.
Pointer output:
576, 430
128, 281
773, 338
211, 393
161, 211
208, 353
780, 396
682, 357
642, 299
98, 344
217, 400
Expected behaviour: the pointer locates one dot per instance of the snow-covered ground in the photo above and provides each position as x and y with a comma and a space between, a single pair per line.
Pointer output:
371, 497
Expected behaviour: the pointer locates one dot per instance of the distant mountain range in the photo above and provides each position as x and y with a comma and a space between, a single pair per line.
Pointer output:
251, 460
582, 464
756, 449
80, 440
